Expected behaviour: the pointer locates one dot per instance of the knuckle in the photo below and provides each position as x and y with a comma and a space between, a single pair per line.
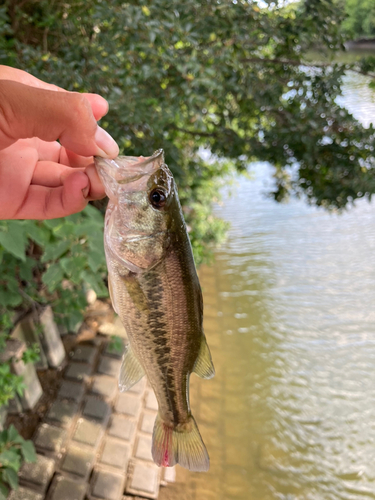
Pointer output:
81, 110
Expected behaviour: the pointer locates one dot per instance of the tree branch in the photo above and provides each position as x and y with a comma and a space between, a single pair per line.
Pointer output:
194, 132
289, 62
295, 62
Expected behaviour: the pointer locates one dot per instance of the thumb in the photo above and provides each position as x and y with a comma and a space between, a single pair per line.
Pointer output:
33, 112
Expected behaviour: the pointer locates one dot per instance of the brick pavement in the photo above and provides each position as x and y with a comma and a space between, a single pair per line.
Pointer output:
94, 442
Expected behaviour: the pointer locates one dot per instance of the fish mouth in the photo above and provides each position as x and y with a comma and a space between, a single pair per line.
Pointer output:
127, 169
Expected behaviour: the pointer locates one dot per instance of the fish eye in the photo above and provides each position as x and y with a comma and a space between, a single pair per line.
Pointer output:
158, 198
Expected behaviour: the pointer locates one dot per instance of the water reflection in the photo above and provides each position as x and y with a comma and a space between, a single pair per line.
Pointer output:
290, 320
358, 97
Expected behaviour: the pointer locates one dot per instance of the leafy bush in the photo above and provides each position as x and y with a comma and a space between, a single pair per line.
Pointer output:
10, 384
42, 262
13, 451
52, 261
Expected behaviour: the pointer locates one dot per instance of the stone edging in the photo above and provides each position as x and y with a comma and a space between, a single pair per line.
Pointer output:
94, 442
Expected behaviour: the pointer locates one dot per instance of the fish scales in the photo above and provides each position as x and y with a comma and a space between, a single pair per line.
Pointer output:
159, 338
155, 290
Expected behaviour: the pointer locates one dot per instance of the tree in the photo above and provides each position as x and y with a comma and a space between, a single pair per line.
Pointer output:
222, 75
360, 21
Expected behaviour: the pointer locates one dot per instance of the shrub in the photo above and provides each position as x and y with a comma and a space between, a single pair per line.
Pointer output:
13, 451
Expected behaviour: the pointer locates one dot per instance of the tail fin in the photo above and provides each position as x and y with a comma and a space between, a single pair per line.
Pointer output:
182, 446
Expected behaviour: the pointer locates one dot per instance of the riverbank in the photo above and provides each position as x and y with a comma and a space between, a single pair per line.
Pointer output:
361, 44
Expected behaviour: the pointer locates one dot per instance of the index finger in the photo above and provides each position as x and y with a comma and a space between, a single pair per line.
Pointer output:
98, 104
66, 116
17, 75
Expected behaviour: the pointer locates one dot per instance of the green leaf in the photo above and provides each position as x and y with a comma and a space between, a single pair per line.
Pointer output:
77, 249
37, 232
14, 241
19, 386
9, 298
13, 434
3, 436
3, 491
53, 276
96, 284
75, 218
10, 458
88, 228
95, 258
26, 269
10, 476
31, 355
28, 451
66, 230
115, 345
54, 224
73, 320
73, 265
94, 213
55, 250
95, 241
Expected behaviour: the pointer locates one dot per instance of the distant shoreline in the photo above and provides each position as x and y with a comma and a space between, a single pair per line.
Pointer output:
361, 44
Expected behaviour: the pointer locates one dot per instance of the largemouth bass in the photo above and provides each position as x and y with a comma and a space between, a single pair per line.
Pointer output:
155, 290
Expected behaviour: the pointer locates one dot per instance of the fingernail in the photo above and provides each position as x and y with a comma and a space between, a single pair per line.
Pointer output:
85, 191
107, 145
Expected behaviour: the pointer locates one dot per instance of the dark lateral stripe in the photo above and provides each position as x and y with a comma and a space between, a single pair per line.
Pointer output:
159, 330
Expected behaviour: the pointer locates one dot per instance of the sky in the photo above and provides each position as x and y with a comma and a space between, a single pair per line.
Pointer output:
263, 4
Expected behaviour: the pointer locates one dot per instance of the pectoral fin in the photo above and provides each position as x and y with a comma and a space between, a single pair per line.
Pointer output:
111, 295
131, 370
136, 294
204, 367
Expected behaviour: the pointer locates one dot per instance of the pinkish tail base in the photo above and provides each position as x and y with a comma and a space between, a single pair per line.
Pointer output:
182, 446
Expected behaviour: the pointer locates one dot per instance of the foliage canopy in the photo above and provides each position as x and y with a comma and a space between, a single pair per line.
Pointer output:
14, 450
223, 75
360, 20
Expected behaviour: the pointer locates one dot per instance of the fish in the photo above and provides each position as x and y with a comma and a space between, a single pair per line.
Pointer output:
155, 290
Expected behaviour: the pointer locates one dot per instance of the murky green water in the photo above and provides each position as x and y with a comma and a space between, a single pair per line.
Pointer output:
290, 320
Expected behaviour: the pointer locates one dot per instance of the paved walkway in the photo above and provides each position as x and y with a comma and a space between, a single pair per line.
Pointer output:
94, 442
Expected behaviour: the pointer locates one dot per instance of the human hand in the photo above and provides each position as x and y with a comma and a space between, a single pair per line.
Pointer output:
40, 178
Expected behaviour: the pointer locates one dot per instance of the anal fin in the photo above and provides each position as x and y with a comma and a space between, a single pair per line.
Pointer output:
204, 367
131, 370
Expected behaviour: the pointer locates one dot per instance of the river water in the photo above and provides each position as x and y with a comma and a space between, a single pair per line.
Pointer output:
290, 318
